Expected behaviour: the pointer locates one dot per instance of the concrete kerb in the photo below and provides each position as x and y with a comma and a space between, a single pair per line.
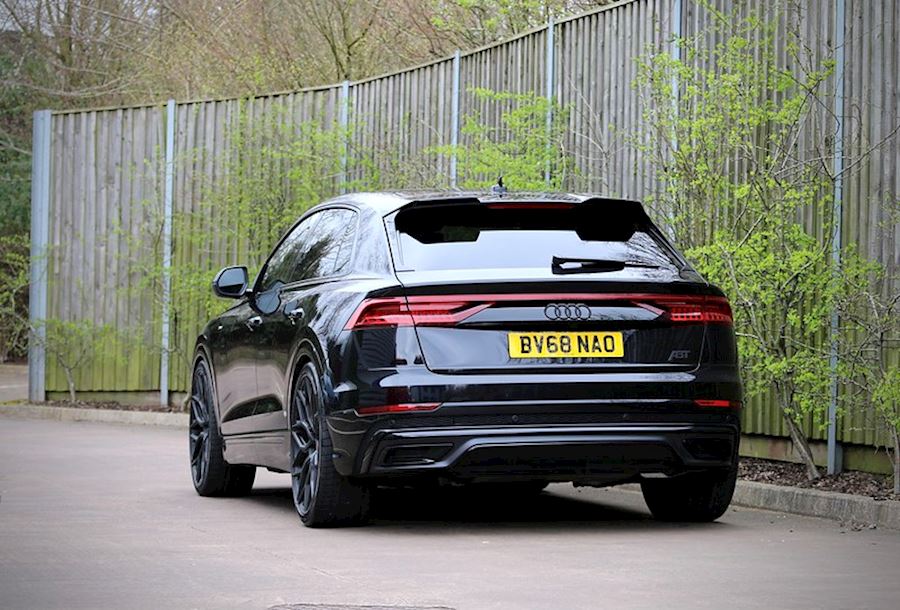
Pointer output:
109, 416
846, 508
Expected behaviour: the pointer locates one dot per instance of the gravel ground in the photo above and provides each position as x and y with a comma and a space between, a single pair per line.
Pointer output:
785, 473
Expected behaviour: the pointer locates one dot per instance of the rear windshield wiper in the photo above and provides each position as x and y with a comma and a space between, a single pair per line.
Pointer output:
562, 265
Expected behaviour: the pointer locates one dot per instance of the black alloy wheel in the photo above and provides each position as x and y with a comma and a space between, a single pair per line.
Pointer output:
322, 497
211, 474
304, 443
200, 402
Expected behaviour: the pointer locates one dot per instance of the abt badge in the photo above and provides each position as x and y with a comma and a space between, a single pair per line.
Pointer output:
679, 354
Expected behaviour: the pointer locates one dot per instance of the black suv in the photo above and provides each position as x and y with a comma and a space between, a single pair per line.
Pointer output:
478, 339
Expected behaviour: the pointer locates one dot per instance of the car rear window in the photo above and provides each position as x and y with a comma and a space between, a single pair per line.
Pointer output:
506, 236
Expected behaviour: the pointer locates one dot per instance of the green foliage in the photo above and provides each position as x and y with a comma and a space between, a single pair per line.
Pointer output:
737, 189
15, 192
270, 172
16, 104
521, 149
886, 396
725, 141
73, 344
870, 323
15, 207
14, 269
782, 302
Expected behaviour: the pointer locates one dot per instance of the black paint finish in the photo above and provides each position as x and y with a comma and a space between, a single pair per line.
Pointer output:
586, 420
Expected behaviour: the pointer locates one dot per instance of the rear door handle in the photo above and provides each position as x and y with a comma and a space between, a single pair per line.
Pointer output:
254, 322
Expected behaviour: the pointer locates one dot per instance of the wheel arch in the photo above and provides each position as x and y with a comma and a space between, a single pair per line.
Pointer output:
309, 350
201, 350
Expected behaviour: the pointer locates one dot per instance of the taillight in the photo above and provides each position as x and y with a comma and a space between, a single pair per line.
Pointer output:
690, 309
418, 311
407, 407
449, 310
721, 404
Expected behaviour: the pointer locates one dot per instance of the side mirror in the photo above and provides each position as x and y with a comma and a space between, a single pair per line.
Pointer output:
231, 282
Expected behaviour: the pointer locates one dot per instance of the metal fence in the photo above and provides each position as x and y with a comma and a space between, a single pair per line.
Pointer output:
102, 177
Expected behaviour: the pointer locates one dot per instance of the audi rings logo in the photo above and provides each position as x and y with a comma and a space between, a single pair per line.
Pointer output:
567, 311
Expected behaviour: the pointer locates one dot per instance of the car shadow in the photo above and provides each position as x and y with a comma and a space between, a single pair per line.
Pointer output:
423, 510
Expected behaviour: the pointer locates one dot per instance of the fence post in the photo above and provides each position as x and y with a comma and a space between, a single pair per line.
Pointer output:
168, 194
343, 122
454, 117
835, 453
550, 86
675, 51
39, 269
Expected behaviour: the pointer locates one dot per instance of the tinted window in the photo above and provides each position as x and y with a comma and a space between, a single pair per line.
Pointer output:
481, 236
320, 246
282, 265
331, 246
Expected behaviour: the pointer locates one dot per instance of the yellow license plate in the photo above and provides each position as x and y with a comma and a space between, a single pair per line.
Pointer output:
566, 345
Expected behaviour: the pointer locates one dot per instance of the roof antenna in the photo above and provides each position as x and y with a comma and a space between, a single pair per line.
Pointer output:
499, 189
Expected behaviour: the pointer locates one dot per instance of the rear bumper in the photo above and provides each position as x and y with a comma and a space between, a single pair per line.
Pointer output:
552, 427
580, 453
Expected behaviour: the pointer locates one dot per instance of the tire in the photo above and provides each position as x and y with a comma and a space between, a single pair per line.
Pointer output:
211, 474
694, 497
322, 497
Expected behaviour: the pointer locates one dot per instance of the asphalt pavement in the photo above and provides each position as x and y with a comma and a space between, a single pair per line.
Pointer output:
104, 516
13, 382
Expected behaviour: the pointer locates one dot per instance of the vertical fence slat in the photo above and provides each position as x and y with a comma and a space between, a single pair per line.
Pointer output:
454, 117
549, 65
834, 456
168, 194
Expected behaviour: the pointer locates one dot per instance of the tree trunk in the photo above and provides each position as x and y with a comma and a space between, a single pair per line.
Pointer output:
70, 379
802, 447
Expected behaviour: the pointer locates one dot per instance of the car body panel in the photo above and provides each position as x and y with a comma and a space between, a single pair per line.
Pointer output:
487, 400
233, 358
